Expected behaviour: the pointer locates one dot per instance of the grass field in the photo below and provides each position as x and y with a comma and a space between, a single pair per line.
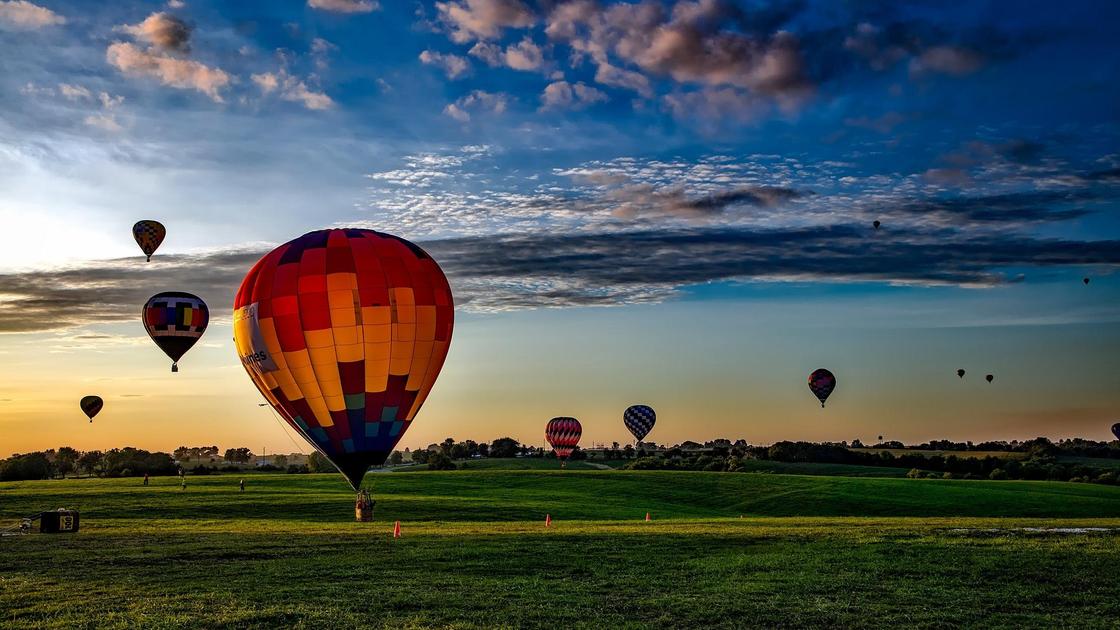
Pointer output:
959, 454
809, 551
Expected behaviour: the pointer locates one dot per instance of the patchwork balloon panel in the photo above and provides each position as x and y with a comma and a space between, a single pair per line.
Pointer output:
175, 321
563, 434
148, 235
345, 332
821, 383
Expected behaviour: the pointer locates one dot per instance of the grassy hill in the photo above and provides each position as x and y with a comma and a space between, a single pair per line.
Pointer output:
811, 551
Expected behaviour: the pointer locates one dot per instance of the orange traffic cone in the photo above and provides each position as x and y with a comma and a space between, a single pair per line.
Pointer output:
397, 529
548, 520
647, 517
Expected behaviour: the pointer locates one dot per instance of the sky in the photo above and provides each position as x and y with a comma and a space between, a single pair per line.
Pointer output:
661, 202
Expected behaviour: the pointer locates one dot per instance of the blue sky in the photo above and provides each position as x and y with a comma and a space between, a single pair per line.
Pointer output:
708, 161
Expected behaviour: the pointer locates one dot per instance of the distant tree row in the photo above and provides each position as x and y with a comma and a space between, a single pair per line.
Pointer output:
118, 462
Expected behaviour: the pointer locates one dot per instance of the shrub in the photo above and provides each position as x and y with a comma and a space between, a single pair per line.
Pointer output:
201, 470
439, 461
998, 474
948, 475
914, 474
1106, 477
298, 469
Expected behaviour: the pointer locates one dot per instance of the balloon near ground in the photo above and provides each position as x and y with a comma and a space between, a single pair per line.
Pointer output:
91, 406
344, 333
149, 234
821, 383
563, 434
639, 420
175, 321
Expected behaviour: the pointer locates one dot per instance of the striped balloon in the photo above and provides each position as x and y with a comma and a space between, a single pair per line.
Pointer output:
91, 406
175, 321
639, 419
148, 234
344, 333
563, 434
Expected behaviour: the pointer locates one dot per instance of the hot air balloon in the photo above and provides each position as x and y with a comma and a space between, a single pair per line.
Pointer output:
563, 434
821, 383
1085, 280
91, 406
876, 224
989, 378
960, 373
175, 321
148, 235
344, 332
639, 419
1116, 430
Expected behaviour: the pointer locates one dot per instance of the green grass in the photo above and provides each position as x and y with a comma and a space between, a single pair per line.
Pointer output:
811, 551
1101, 463
521, 463
959, 454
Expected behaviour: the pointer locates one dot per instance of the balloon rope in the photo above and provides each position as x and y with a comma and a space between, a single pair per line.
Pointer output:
284, 428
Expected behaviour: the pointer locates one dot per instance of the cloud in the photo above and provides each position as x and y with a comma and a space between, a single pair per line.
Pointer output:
345, 6
292, 89
697, 42
163, 31
881, 124
453, 66
560, 269
716, 104
477, 100
106, 119
524, 55
564, 95
176, 4
74, 92
470, 20
639, 200
951, 60
170, 71
320, 50
21, 15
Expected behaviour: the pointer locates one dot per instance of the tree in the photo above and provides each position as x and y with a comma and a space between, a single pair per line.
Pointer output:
181, 454
29, 466
420, 456
628, 452
395, 458
66, 460
90, 461
504, 447
459, 451
439, 461
240, 455
317, 463
280, 461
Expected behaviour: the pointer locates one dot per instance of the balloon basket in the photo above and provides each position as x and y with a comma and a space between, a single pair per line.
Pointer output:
174, 367
363, 507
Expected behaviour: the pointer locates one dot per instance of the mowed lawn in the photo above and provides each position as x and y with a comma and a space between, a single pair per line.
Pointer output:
722, 550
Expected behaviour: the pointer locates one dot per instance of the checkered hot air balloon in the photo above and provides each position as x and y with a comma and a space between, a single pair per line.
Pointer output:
175, 321
563, 434
148, 234
344, 332
821, 383
91, 406
639, 420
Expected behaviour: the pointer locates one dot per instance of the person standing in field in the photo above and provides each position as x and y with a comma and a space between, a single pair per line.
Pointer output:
241, 484
184, 486
145, 479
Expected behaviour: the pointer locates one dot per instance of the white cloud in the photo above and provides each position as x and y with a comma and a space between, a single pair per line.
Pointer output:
453, 66
564, 95
479, 100
471, 20
163, 31
21, 15
292, 89
73, 92
170, 71
345, 6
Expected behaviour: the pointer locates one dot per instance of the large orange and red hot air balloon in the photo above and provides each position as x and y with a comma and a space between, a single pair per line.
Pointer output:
344, 332
563, 434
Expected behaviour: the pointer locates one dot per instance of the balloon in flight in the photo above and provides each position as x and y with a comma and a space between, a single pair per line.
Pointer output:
91, 406
639, 420
344, 332
989, 378
960, 373
563, 434
175, 321
1116, 430
821, 383
148, 234
876, 224
1085, 280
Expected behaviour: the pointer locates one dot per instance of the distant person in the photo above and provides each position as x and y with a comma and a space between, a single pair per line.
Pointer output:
184, 487
145, 479
241, 484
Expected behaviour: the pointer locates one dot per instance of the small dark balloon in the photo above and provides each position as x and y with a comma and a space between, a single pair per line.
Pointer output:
821, 383
91, 406
876, 224
1116, 430
989, 378
960, 372
1085, 280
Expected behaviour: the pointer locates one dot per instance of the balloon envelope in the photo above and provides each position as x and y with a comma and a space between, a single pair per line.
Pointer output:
175, 321
821, 383
148, 234
960, 373
91, 406
989, 378
344, 333
639, 420
876, 224
563, 434
1116, 430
